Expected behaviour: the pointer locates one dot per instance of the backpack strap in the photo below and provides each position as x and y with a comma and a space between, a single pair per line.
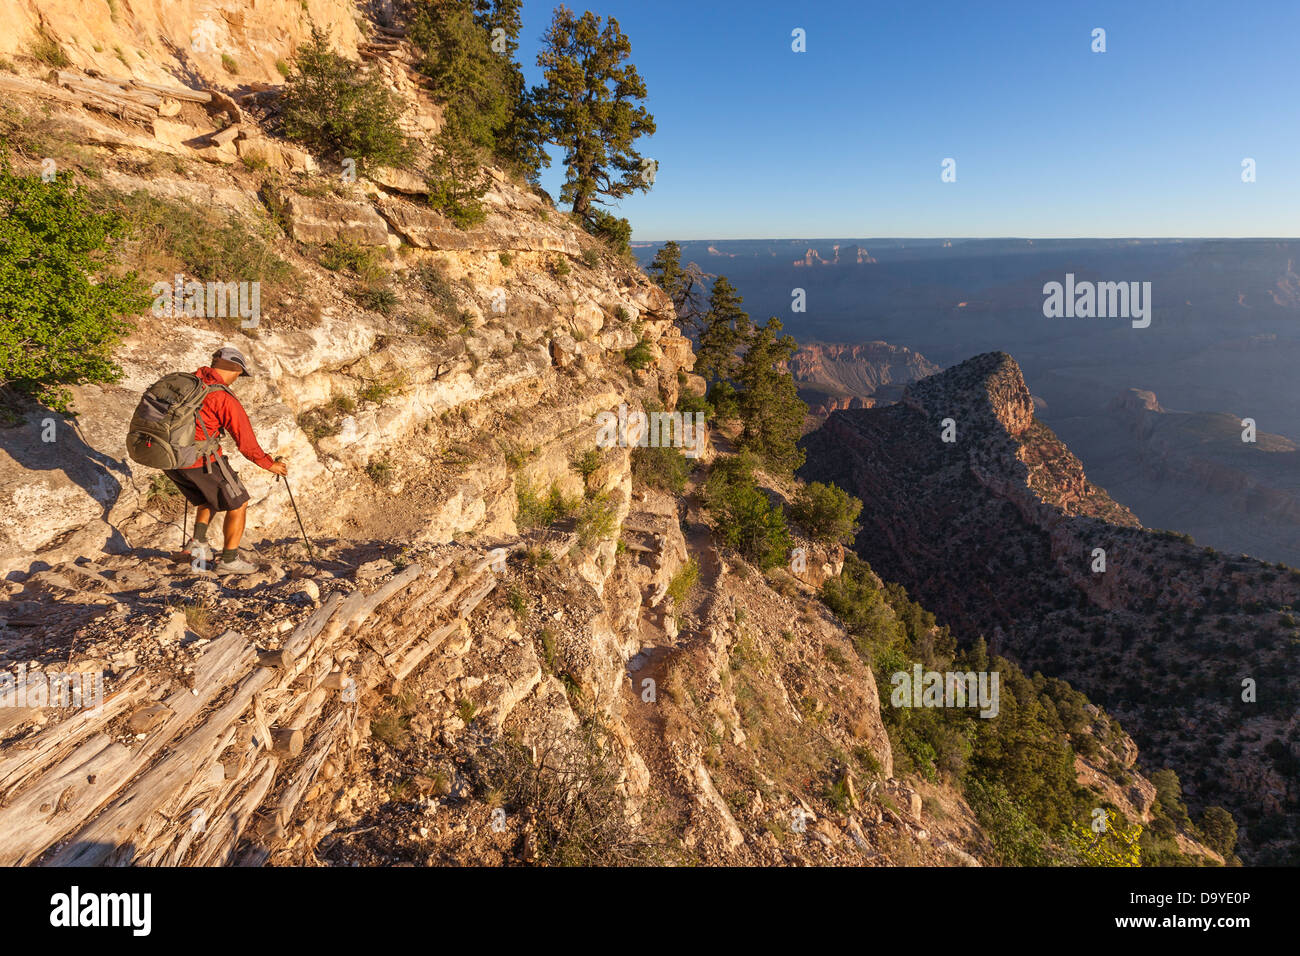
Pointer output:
206, 448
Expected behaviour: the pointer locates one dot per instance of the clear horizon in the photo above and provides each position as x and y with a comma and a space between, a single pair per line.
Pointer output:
1050, 139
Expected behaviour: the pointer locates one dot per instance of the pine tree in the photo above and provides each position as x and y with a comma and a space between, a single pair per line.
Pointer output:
469, 77
589, 108
770, 408
338, 111
456, 177
726, 328
683, 284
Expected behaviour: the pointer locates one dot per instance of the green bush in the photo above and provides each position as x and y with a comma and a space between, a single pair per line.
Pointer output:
828, 513
169, 234
745, 518
45, 49
597, 519
380, 471
377, 298
60, 324
682, 582
639, 356
456, 178
614, 230
336, 109
366, 261
587, 462
1220, 831
540, 509
665, 468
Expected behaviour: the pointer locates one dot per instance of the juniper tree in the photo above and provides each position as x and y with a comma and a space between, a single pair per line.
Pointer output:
589, 105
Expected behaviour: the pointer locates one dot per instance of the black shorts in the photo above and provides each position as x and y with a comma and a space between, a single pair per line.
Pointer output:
212, 489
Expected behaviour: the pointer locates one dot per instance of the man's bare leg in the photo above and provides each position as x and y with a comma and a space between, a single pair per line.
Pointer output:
233, 529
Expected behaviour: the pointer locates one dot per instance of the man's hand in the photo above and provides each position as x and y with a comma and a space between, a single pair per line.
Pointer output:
279, 468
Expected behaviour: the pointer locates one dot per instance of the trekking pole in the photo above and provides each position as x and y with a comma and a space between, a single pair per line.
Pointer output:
185, 523
305, 539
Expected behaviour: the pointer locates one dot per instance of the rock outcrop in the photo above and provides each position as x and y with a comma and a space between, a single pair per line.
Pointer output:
987, 519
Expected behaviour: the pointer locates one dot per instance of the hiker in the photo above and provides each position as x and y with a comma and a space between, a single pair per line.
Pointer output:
210, 483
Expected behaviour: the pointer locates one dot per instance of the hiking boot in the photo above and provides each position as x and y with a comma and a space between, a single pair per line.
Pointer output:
237, 566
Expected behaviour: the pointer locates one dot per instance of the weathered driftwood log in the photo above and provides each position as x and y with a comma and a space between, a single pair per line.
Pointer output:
76, 787
189, 792
31, 756
78, 82
175, 92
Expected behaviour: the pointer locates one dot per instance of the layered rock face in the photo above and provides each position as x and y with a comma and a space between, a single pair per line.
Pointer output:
834, 377
1194, 472
487, 588
162, 39
999, 532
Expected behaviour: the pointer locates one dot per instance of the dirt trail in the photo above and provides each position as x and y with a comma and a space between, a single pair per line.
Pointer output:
647, 721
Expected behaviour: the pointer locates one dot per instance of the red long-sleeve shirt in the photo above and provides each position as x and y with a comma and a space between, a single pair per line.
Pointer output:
222, 411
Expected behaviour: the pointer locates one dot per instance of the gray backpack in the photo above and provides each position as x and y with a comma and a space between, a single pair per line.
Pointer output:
162, 431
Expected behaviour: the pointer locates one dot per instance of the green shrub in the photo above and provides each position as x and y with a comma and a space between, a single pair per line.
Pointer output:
1220, 831
207, 247
229, 64
682, 582
1016, 840
456, 179
518, 603
591, 257
337, 109
343, 254
615, 230
746, 519
378, 392
377, 298
380, 471
558, 266
597, 519
60, 325
665, 468
541, 509
45, 49
588, 462
505, 258
826, 512
640, 355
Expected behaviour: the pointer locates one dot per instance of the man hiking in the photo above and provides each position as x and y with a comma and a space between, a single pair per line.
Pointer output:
211, 484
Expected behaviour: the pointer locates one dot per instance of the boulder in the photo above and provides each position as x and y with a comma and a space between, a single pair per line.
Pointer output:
282, 156
398, 180
318, 220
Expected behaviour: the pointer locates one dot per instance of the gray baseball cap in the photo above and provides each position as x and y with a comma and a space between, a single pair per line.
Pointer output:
229, 353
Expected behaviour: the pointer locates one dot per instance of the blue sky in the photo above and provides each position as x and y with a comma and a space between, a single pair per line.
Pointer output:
1050, 139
